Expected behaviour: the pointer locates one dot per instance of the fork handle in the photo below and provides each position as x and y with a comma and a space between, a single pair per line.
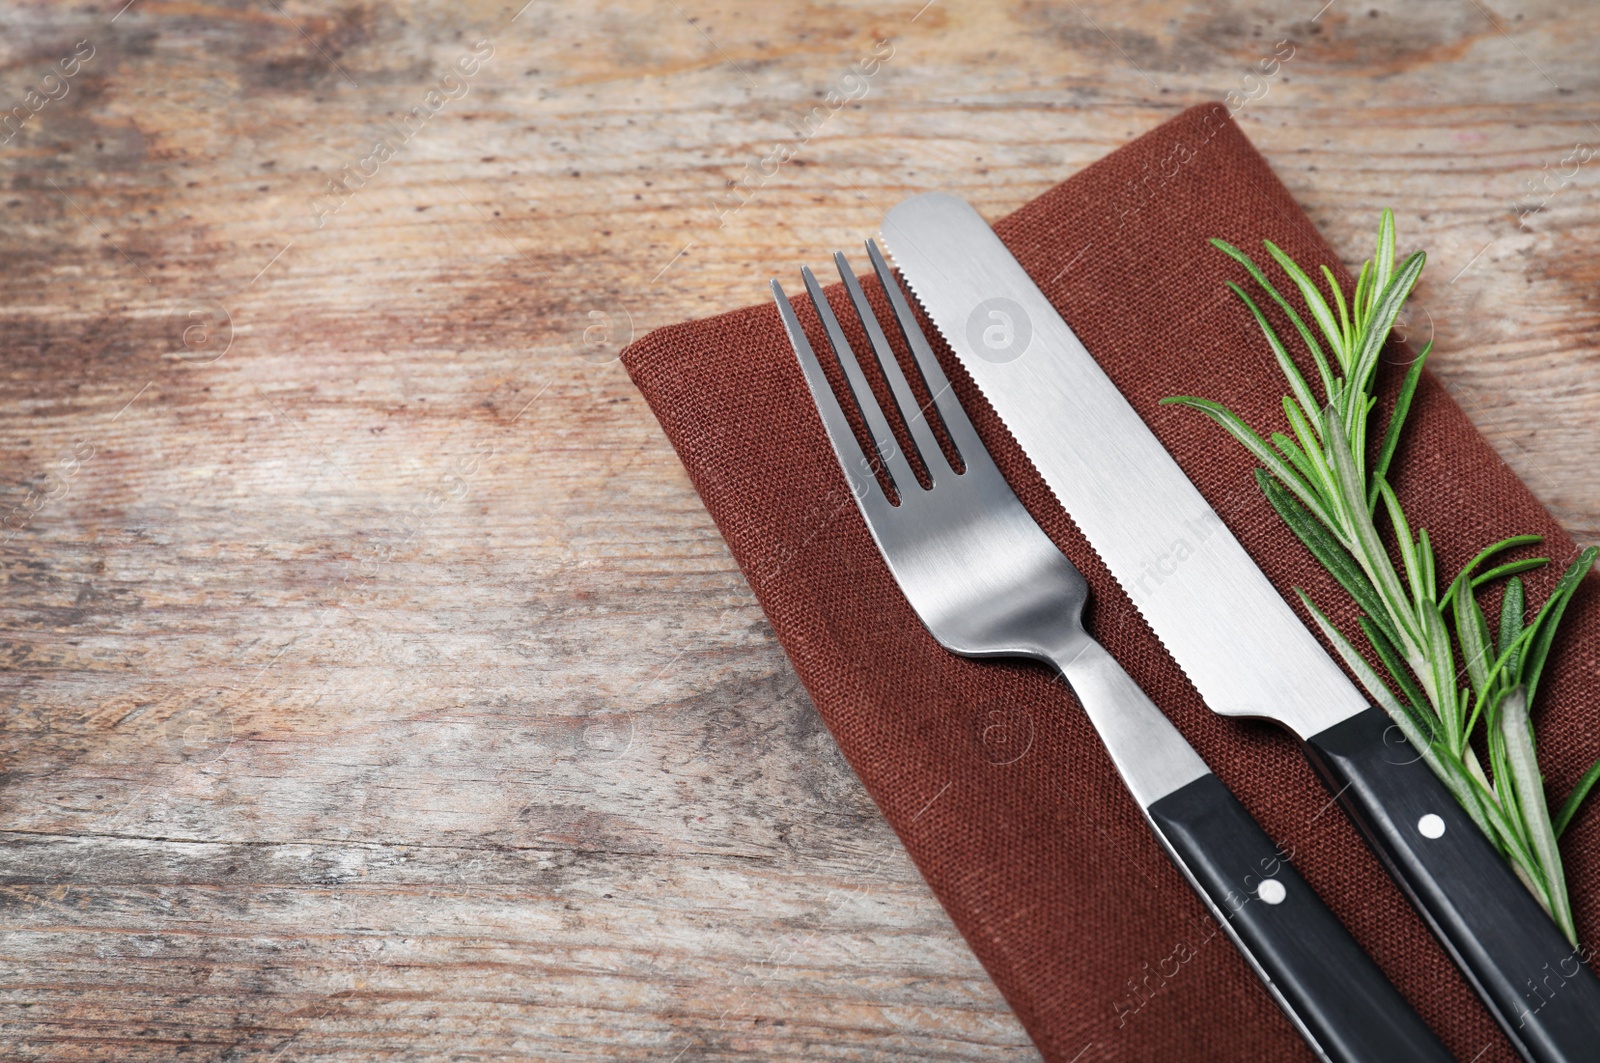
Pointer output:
1331, 990
1306, 958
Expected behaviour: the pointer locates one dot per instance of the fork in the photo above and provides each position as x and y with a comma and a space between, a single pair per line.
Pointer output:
987, 582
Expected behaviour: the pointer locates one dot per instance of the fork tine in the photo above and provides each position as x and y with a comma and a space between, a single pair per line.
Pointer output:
962, 434
905, 481
857, 470
933, 458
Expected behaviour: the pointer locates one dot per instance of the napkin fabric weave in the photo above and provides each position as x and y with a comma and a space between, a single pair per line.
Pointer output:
988, 771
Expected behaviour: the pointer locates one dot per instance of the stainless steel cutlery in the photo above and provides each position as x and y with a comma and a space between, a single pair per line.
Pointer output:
987, 582
1226, 625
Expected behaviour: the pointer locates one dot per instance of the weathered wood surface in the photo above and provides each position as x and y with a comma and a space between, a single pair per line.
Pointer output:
375, 685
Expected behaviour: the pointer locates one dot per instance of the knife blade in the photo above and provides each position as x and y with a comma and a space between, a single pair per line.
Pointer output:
1226, 626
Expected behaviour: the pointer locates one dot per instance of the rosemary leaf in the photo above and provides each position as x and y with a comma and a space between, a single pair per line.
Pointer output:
1314, 302
1321, 360
1472, 630
1484, 555
1383, 254
1408, 546
1474, 792
1443, 674
1369, 679
1306, 434
1510, 568
1255, 445
1550, 616
1297, 457
1328, 551
1429, 567
1291, 373
1479, 801
1569, 807
1363, 296
1415, 699
1493, 687
1369, 552
1358, 434
1512, 606
1386, 308
1397, 420
1523, 765
1505, 789
1345, 328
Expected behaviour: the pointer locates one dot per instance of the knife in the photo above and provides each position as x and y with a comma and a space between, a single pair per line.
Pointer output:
1252, 656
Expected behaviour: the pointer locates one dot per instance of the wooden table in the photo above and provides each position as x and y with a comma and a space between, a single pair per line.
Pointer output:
376, 686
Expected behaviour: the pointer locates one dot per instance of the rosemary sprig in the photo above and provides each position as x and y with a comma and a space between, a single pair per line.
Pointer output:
1318, 478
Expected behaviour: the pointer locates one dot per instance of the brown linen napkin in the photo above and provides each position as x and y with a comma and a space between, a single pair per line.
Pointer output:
988, 771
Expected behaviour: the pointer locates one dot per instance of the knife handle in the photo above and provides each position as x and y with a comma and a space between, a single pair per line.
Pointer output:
1537, 985
1333, 990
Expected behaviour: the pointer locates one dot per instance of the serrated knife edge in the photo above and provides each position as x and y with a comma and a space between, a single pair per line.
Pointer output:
1162, 542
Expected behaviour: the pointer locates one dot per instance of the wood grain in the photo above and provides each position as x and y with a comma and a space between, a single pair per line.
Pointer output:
375, 685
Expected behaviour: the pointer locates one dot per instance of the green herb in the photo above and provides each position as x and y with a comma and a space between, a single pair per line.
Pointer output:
1319, 478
